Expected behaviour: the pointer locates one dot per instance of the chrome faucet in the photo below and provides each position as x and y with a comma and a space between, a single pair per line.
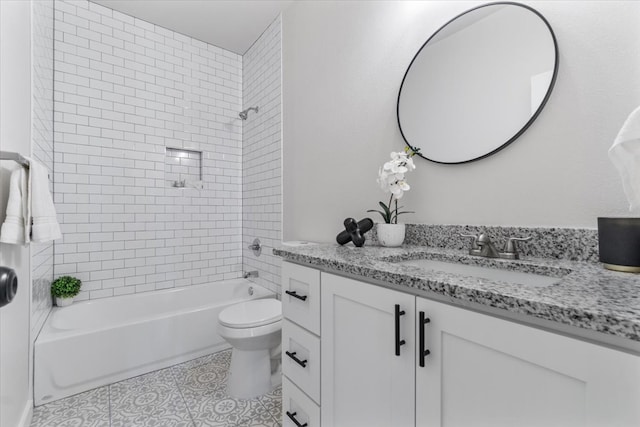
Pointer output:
249, 274
482, 245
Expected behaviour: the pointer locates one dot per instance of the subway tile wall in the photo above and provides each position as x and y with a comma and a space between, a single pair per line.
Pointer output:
261, 173
42, 149
125, 90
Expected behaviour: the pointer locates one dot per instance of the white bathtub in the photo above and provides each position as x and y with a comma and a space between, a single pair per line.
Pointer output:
98, 342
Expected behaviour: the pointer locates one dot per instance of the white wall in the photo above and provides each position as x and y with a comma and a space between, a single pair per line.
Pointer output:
262, 155
342, 67
124, 90
15, 135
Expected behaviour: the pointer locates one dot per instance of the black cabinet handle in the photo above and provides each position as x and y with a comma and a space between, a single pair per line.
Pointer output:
399, 341
423, 351
292, 417
295, 295
302, 363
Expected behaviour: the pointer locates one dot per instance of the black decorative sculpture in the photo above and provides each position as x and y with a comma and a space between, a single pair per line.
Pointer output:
354, 231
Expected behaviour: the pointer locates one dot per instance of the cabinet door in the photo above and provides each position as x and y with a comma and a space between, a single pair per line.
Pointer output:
485, 371
364, 382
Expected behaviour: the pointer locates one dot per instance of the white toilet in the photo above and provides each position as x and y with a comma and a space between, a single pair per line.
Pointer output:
254, 330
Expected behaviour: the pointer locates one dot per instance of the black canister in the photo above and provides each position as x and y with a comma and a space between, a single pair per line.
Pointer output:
619, 243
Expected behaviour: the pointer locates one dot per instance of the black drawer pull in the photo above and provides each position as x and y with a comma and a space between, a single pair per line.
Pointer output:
295, 295
302, 363
423, 351
292, 417
399, 341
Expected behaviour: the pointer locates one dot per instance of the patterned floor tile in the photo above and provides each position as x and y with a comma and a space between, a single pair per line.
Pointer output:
185, 395
272, 401
221, 358
232, 412
88, 409
207, 380
149, 400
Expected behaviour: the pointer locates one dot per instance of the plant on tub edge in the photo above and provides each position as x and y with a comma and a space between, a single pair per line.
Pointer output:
64, 289
392, 180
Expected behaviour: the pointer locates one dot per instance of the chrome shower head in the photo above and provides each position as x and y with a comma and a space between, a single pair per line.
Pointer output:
245, 113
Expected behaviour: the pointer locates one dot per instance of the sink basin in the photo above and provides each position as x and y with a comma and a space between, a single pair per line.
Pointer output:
516, 277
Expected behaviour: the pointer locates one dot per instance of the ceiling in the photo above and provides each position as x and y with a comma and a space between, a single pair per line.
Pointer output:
230, 24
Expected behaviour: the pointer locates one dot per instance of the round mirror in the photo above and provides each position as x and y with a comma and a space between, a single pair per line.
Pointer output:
478, 83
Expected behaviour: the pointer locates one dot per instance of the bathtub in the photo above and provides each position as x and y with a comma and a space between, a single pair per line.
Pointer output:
98, 342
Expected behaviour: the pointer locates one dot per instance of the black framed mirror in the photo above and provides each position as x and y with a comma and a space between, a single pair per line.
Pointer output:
478, 83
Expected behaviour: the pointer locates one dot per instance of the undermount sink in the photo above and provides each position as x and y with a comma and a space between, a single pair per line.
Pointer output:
516, 277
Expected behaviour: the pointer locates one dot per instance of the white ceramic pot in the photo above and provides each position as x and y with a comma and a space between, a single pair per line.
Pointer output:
63, 302
390, 235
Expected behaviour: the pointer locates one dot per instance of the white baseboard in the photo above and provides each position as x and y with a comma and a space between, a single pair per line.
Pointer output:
27, 414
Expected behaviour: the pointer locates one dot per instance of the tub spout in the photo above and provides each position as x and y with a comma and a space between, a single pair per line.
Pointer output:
248, 274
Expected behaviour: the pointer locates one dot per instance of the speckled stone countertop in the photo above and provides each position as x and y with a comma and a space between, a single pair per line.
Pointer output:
586, 296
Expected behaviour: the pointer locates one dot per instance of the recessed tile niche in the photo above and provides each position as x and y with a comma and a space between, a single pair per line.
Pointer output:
183, 168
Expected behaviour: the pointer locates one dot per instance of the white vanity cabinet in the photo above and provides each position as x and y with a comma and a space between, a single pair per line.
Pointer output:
300, 346
485, 371
479, 371
368, 355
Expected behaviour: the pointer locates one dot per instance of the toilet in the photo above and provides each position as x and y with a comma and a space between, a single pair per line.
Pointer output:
254, 330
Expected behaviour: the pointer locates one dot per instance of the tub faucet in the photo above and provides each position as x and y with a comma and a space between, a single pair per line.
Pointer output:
248, 274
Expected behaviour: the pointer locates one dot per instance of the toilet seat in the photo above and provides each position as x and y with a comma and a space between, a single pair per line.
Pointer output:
251, 314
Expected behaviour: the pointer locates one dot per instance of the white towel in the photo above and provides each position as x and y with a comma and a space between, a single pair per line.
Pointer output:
31, 215
14, 229
625, 155
45, 224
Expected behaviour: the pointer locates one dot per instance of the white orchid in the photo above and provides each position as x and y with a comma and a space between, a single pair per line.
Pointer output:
382, 180
398, 188
391, 180
395, 166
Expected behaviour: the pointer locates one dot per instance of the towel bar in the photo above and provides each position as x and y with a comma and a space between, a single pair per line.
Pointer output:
16, 157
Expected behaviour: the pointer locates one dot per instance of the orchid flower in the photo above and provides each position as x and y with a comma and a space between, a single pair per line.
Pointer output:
392, 180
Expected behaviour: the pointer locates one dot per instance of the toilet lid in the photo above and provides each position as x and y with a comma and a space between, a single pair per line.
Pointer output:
252, 313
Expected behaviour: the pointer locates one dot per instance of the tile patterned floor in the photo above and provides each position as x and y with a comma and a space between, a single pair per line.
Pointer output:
192, 394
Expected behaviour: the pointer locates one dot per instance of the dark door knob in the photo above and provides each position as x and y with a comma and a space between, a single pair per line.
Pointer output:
8, 285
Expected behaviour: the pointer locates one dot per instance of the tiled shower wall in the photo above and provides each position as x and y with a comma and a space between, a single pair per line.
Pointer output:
42, 147
261, 172
124, 90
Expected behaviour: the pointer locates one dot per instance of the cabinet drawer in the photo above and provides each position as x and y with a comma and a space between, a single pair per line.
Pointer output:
300, 347
297, 405
301, 296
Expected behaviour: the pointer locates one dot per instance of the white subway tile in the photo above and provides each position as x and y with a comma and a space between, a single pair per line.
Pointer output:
136, 78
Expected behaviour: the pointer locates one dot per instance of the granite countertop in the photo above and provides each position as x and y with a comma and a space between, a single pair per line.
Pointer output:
587, 296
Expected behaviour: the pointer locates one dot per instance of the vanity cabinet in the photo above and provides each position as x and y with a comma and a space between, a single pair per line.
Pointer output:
300, 346
368, 364
485, 371
477, 370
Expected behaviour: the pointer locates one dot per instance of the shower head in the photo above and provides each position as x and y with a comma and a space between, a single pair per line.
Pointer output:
245, 113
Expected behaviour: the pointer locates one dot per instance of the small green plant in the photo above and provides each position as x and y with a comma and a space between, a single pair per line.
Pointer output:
65, 287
